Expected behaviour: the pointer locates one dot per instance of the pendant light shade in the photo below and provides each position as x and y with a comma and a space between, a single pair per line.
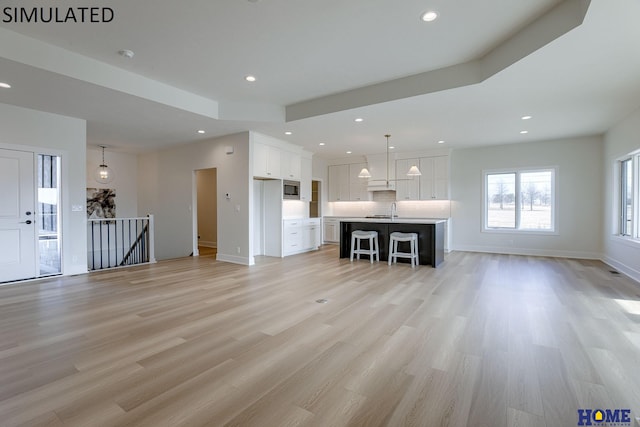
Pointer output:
103, 174
414, 171
364, 173
411, 173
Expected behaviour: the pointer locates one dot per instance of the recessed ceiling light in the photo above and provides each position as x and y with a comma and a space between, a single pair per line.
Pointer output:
5, 85
126, 53
322, 144
526, 117
392, 147
250, 78
429, 16
359, 119
201, 131
441, 142
348, 152
524, 131
288, 132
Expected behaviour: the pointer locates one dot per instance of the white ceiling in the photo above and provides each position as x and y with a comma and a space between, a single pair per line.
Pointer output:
466, 78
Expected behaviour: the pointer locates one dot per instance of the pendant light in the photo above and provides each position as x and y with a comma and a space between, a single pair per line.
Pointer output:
103, 174
412, 172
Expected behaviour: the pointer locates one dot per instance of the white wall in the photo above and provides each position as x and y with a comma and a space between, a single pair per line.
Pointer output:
45, 133
620, 140
579, 179
166, 182
125, 170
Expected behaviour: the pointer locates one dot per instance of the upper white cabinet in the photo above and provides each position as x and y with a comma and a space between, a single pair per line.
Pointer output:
290, 167
344, 184
339, 183
358, 186
266, 161
434, 181
305, 179
407, 188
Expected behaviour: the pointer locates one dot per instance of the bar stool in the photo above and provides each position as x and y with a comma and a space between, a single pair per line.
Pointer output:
396, 237
372, 236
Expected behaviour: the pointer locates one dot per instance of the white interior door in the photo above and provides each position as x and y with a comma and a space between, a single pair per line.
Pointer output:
17, 216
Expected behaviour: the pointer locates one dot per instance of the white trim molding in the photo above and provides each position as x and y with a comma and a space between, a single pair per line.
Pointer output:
529, 252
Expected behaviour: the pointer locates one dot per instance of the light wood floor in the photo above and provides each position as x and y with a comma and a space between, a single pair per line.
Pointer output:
483, 340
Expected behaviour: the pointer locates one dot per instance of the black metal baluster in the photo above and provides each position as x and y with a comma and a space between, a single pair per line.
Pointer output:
101, 264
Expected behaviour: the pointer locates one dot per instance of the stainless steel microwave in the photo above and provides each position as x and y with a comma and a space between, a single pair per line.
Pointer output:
291, 190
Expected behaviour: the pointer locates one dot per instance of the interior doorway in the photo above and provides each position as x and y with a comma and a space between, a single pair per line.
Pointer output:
206, 213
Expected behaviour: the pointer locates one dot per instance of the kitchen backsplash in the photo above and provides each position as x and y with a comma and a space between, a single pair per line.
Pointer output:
294, 209
410, 209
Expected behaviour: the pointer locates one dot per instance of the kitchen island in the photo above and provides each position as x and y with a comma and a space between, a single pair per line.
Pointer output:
430, 236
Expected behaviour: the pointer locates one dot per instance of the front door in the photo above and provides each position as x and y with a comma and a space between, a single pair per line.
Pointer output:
17, 217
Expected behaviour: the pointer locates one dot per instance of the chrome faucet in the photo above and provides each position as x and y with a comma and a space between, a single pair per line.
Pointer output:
394, 211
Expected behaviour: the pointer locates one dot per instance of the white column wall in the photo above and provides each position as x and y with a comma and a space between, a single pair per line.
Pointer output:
166, 183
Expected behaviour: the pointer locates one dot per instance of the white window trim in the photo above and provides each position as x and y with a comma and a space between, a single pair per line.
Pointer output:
634, 238
518, 170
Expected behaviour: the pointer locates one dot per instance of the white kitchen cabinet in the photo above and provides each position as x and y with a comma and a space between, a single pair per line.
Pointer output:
407, 188
358, 186
311, 234
291, 237
339, 183
344, 184
290, 167
331, 228
434, 181
266, 161
300, 235
305, 179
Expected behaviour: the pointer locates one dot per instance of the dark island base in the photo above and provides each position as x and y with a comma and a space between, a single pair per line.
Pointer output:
430, 239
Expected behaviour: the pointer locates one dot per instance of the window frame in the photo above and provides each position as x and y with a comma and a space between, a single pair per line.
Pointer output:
620, 207
518, 195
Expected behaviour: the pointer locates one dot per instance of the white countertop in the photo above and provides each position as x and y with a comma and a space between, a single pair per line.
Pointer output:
389, 220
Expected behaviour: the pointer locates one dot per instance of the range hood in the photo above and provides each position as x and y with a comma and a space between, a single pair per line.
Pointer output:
382, 171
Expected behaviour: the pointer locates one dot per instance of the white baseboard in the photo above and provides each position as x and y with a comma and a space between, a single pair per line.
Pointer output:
234, 259
528, 252
207, 244
622, 268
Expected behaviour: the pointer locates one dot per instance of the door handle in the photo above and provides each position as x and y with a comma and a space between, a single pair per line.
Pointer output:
26, 222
